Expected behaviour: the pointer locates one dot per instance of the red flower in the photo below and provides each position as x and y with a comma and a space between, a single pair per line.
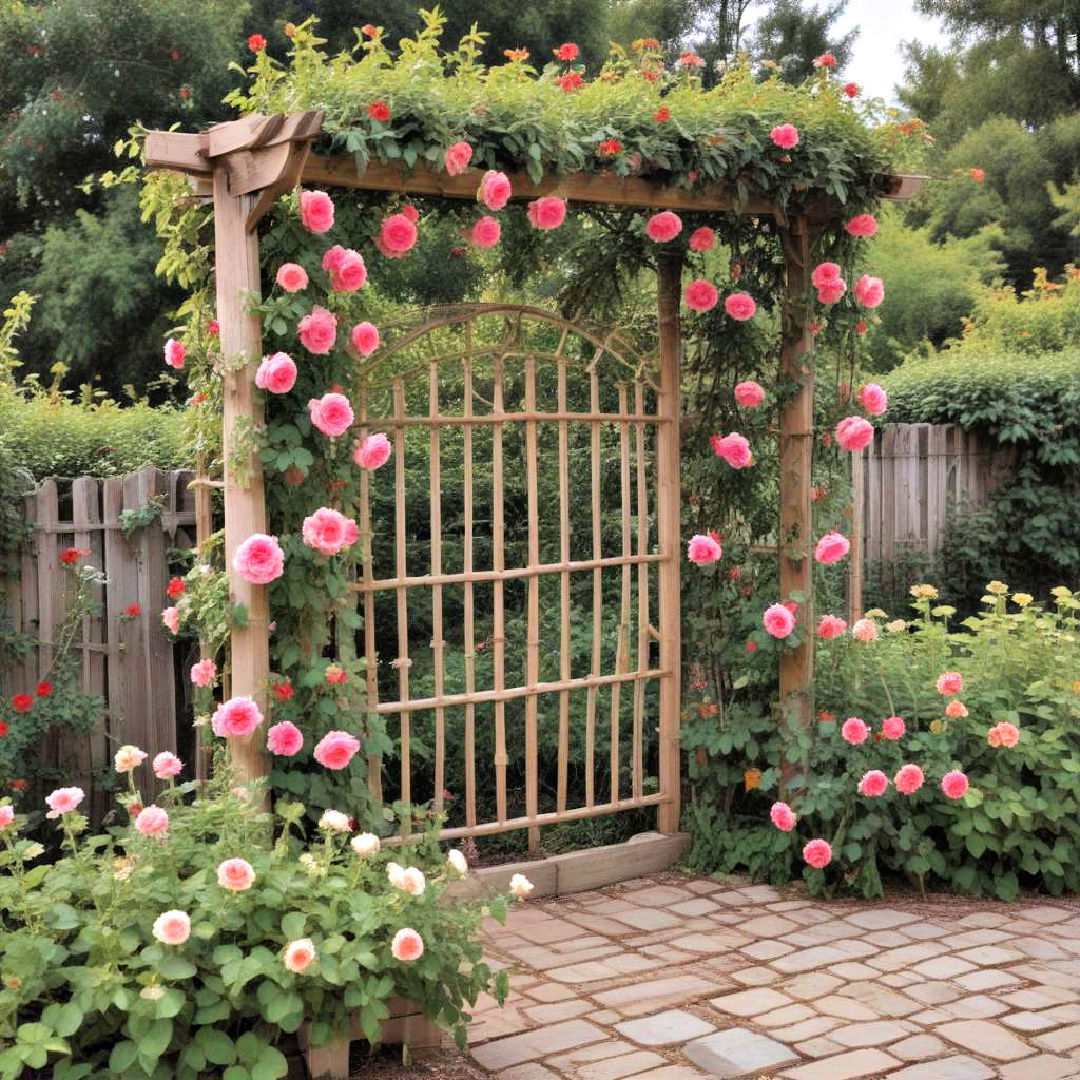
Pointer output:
133, 611
825, 60
213, 327
19, 785
369, 30
570, 81
4, 729
662, 115
751, 646
567, 51
851, 89
176, 587
197, 399
978, 175
861, 327
689, 59
609, 148
282, 690
175, 54
70, 556
22, 702
734, 573
256, 43
184, 93
379, 110
44, 688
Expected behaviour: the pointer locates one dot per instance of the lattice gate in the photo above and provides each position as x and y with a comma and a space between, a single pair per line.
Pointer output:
520, 615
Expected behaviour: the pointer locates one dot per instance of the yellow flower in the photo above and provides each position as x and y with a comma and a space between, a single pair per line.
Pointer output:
924, 592
875, 613
938, 726
943, 611
1060, 591
1076, 687
897, 626
1022, 599
998, 588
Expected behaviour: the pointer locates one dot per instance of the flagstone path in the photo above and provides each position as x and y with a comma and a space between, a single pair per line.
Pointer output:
680, 978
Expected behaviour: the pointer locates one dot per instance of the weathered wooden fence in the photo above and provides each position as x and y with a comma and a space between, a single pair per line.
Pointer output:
127, 659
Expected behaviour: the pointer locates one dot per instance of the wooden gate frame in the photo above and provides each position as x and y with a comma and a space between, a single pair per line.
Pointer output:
246, 164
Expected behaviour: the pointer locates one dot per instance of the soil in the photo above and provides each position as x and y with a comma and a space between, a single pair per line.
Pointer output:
446, 1064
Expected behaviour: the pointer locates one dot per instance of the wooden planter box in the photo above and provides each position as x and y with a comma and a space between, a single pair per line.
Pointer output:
406, 1026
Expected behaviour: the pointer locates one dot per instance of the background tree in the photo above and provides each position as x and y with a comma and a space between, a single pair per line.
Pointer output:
792, 33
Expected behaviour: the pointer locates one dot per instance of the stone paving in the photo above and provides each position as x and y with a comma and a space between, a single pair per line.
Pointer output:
679, 978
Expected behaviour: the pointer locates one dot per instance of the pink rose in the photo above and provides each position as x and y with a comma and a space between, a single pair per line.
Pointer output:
703, 550
152, 821
824, 273
733, 448
740, 306
956, 709
909, 779
778, 621
331, 414
817, 854
749, 394
864, 630
954, 784
485, 233
456, 158
203, 673
365, 338
407, 945
495, 190
831, 291
831, 626
259, 559
701, 295
893, 727
873, 399
703, 239
299, 955
854, 433
874, 784
782, 816
950, 682
786, 136
346, 268
862, 224
831, 548
854, 730
291, 277
373, 452
329, 532
397, 234
318, 331
285, 739
170, 619
167, 765
276, 373
236, 874
175, 353
316, 211
1003, 734
235, 718
172, 927
64, 800
7, 815
663, 227
547, 212
869, 291
336, 749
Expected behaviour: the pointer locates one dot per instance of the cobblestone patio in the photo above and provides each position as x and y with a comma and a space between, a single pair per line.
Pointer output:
678, 978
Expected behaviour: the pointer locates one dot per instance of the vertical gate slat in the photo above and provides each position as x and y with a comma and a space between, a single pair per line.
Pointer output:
50, 598
468, 613
30, 569
498, 634
371, 659
400, 547
532, 631
622, 640
598, 590
937, 466
437, 643
564, 583
888, 493
637, 764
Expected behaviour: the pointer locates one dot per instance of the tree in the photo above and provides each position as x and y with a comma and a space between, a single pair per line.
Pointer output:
792, 35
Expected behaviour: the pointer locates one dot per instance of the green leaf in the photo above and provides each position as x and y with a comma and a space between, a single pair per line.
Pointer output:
172, 966
123, 1056
292, 925
216, 1045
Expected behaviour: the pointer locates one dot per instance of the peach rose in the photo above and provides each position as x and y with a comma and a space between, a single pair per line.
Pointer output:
299, 955
172, 927
152, 821
336, 749
407, 945
237, 875
128, 758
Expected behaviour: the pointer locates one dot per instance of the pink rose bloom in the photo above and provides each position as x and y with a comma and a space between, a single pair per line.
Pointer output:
456, 158
495, 190
824, 273
548, 212
869, 291
862, 225
733, 448
893, 727
316, 211
170, 619
817, 854
786, 136
663, 227
485, 233
285, 739
331, 414
874, 784
397, 234
864, 630
873, 399
749, 394
701, 295
318, 331
175, 354
950, 682
782, 816
412, 881
336, 749
373, 452
411, 212
128, 758
854, 730
152, 821
365, 338
831, 626
778, 621
203, 673
954, 784
1003, 734
291, 277
740, 306
172, 927
407, 945
703, 239
346, 268
854, 433
831, 548
831, 291
956, 709
703, 550
299, 955
235, 718
259, 559
276, 373
166, 765
236, 874
7, 815
64, 800
329, 532
909, 779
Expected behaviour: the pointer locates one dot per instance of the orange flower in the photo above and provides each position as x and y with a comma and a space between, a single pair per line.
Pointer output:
752, 779
514, 55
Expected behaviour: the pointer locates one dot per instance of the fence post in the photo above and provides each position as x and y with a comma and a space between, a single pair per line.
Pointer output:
858, 555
